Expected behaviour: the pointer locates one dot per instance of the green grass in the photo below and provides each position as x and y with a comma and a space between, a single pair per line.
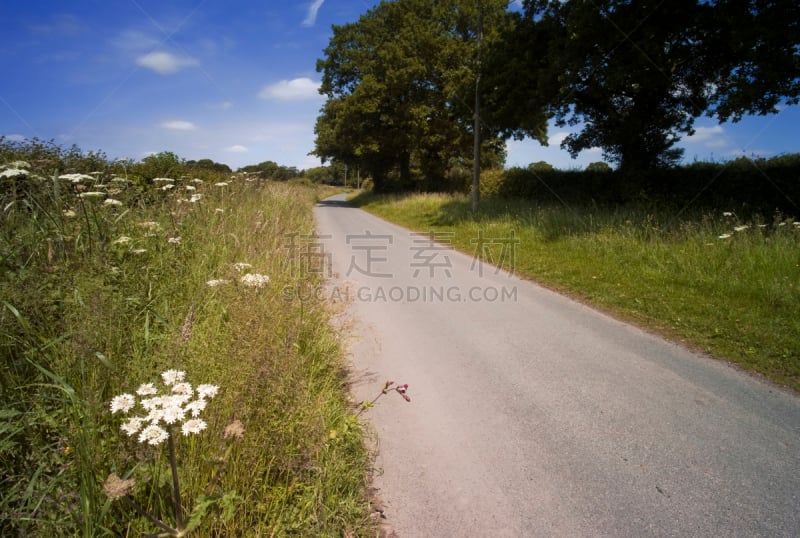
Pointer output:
87, 315
736, 298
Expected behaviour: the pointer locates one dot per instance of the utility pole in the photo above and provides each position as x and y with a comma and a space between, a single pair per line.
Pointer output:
345, 175
476, 150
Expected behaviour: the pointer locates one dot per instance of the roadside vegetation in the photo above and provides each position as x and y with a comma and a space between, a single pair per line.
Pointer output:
116, 275
721, 282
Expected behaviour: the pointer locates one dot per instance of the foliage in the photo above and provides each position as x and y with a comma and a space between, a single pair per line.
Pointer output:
635, 75
398, 82
105, 280
271, 170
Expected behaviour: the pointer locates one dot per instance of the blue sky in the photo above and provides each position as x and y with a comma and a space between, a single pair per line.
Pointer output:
234, 81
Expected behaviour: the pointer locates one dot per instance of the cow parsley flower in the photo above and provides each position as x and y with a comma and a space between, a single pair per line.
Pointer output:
217, 282
254, 280
174, 240
207, 391
133, 425
123, 402
153, 435
194, 425
146, 389
170, 377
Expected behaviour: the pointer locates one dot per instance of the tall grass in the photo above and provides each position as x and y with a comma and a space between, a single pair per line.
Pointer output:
720, 284
99, 297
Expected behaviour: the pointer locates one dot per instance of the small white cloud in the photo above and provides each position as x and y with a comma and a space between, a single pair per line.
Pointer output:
292, 90
164, 63
557, 138
179, 125
311, 17
237, 149
710, 137
15, 138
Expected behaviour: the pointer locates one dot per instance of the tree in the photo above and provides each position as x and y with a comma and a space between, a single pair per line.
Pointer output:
398, 84
636, 75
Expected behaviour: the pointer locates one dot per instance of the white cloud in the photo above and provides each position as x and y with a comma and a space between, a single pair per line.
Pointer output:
164, 63
179, 125
557, 138
15, 138
311, 17
292, 90
710, 137
237, 149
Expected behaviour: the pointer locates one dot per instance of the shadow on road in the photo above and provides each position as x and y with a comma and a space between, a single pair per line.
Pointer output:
333, 203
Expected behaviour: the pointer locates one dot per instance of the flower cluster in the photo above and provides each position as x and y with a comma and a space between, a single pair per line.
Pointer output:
182, 404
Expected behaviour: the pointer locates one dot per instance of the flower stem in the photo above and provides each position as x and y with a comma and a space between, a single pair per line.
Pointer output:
176, 489
157, 522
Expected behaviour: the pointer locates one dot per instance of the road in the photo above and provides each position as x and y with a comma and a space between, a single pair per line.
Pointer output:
534, 415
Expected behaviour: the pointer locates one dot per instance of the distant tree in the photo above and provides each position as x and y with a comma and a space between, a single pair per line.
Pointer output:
208, 164
540, 166
598, 166
163, 164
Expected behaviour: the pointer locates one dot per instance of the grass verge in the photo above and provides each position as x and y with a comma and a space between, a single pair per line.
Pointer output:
107, 282
720, 285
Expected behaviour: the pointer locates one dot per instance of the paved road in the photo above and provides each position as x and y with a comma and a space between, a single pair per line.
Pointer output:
533, 415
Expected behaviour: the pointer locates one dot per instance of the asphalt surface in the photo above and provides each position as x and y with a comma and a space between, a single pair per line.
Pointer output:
533, 415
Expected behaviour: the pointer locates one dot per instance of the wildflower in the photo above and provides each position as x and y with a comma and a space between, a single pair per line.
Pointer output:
217, 282
727, 214
195, 407
154, 435
235, 429
139, 250
132, 426
13, 172
254, 280
198, 181
112, 201
115, 487
150, 225
219, 210
117, 179
196, 198
741, 228
91, 194
190, 188
76, 178
123, 402
174, 240
17, 165
123, 240
146, 389
163, 180
182, 388
221, 184
167, 187
195, 425
69, 213
170, 377
241, 266
172, 414
207, 391
724, 236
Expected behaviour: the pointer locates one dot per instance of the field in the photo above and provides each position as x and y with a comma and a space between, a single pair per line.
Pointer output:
717, 283
148, 355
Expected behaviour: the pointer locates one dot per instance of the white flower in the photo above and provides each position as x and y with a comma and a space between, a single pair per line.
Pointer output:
190, 188
254, 280
196, 198
153, 435
112, 201
132, 425
219, 210
727, 214
217, 282
183, 388
173, 414
241, 266
724, 236
167, 187
91, 194
117, 179
150, 225
139, 250
163, 180
76, 178
174, 240
122, 240
741, 228
17, 164
197, 180
123, 402
13, 172
194, 425
195, 407
207, 391
146, 389
221, 184
170, 377
68, 213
